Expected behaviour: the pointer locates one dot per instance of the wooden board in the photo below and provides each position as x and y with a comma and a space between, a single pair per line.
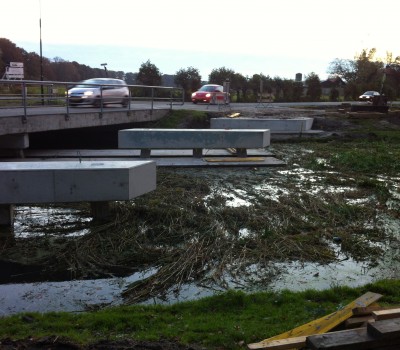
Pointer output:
356, 322
386, 314
388, 329
285, 344
353, 339
235, 159
322, 324
363, 311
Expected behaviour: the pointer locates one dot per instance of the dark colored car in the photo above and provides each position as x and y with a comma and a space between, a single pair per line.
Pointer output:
210, 93
368, 96
93, 91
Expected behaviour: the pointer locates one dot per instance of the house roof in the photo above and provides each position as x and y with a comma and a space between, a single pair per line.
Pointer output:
333, 82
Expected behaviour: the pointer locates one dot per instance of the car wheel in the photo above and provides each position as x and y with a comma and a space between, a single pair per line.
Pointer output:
125, 102
97, 102
195, 102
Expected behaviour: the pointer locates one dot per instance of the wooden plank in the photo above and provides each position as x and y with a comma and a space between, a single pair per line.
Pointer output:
234, 115
353, 339
357, 322
363, 311
388, 329
284, 344
322, 324
386, 314
235, 159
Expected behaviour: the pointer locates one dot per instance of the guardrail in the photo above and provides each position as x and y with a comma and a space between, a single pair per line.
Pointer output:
32, 93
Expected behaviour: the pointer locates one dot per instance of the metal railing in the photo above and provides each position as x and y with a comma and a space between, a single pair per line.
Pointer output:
29, 94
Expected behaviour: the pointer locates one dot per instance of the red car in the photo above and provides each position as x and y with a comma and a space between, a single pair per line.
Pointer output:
211, 93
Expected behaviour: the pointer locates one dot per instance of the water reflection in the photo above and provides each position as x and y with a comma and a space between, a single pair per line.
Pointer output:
38, 221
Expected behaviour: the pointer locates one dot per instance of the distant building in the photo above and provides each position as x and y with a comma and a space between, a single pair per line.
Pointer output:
299, 77
333, 83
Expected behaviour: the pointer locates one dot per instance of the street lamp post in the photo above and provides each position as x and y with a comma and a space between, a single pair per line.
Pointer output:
105, 68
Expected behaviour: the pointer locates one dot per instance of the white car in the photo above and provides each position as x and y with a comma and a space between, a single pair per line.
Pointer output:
97, 91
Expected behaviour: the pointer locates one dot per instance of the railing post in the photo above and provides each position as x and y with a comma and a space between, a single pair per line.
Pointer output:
152, 97
67, 100
101, 101
24, 92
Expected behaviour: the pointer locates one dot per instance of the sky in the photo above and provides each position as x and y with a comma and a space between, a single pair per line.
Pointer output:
277, 38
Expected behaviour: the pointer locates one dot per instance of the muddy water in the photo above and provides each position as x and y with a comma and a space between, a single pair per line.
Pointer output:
74, 295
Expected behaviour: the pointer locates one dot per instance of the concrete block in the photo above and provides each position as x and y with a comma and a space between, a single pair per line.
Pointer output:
62, 182
17, 141
6, 215
192, 138
275, 125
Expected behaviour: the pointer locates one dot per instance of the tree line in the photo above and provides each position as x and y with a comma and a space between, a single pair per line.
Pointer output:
351, 77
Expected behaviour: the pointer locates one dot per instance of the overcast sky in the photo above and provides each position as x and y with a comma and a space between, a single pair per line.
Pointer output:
276, 38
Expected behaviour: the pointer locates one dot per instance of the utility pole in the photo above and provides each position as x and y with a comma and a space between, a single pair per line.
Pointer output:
41, 54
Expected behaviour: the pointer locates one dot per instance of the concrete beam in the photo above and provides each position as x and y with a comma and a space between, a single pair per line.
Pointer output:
74, 181
192, 138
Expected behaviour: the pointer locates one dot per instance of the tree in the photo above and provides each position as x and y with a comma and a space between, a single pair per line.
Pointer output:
240, 84
64, 70
9, 53
189, 80
361, 74
220, 75
314, 89
149, 74
258, 82
130, 78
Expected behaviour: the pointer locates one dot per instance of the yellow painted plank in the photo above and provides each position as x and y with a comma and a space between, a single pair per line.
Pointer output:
282, 344
324, 323
235, 159
234, 115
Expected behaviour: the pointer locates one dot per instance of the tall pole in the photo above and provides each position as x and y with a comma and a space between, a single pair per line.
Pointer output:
105, 68
41, 55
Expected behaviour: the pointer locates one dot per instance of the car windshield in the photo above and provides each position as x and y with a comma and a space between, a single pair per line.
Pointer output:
94, 81
208, 88
369, 93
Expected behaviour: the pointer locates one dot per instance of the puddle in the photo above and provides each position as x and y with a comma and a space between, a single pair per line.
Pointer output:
34, 221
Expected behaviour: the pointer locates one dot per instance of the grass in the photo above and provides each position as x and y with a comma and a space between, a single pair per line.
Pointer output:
184, 119
226, 321
380, 156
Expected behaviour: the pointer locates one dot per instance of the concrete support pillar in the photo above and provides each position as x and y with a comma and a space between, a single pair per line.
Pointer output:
101, 211
197, 152
6, 214
17, 141
241, 152
145, 153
